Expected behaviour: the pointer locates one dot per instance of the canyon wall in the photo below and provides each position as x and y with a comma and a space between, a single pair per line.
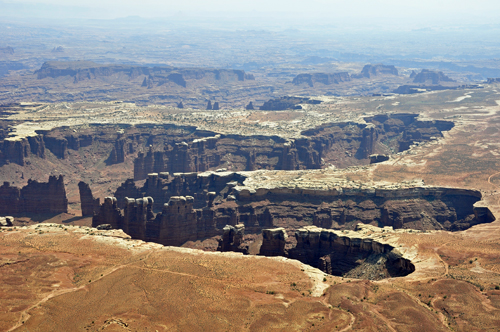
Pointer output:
170, 148
433, 77
35, 197
323, 78
198, 205
348, 254
339, 144
89, 204
88, 70
177, 223
423, 208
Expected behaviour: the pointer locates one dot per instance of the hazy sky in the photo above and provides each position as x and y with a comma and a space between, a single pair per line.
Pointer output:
417, 10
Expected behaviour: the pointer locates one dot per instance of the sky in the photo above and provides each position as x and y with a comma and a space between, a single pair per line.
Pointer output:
449, 11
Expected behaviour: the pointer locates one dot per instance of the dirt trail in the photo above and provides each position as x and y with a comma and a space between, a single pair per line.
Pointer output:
489, 181
383, 318
353, 319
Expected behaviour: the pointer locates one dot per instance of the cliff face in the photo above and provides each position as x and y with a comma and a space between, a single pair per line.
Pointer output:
198, 205
88, 70
274, 241
323, 78
18, 150
417, 208
434, 77
177, 223
35, 197
285, 103
90, 205
345, 254
232, 239
170, 148
339, 144
369, 71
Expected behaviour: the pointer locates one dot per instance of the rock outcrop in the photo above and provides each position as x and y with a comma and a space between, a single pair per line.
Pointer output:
155, 76
323, 78
89, 204
18, 149
232, 239
350, 254
423, 208
177, 223
369, 71
198, 205
378, 158
35, 197
285, 103
274, 241
6, 221
109, 214
433, 77
339, 144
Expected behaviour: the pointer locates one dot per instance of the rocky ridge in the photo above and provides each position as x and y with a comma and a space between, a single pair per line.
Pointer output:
155, 76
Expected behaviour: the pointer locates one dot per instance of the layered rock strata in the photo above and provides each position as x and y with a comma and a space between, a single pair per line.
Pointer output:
339, 144
195, 206
171, 148
35, 197
89, 204
434, 77
424, 208
88, 70
323, 78
232, 239
177, 223
374, 70
348, 254
274, 241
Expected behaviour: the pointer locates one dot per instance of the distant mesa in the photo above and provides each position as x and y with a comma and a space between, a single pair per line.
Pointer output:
369, 71
58, 49
286, 103
336, 78
433, 77
7, 50
326, 79
177, 79
155, 76
493, 80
